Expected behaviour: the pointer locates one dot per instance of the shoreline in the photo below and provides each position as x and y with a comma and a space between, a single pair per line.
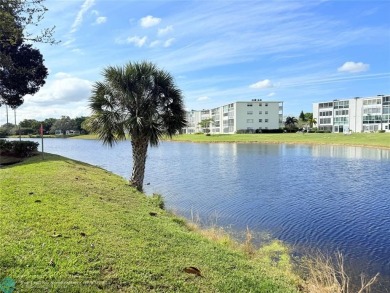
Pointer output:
78, 170
74, 223
366, 140
289, 143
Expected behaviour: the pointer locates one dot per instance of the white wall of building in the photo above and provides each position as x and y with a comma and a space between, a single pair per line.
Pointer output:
242, 115
368, 114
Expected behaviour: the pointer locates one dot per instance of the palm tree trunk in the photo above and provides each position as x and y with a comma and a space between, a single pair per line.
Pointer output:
139, 149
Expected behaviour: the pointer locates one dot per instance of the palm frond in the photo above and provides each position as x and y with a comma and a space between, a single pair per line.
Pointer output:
137, 98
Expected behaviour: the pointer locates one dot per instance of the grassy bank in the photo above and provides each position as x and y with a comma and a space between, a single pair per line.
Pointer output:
70, 227
355, 139
381, 140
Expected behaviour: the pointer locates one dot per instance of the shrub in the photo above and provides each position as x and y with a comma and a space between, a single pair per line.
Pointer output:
278, 130
381, 131
19, 149
158, 200
245, 131
5, 146
4, 132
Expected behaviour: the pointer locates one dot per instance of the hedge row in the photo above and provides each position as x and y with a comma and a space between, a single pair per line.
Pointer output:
19, 149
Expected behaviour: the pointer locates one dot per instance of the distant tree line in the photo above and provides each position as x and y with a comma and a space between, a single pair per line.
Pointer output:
50, 125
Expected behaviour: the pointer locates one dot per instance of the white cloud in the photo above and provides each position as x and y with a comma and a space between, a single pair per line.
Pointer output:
149, 21
79, 18
271, 94
154, 44
137, 41
263, 84
101, 19
203, 98
168, 43
164, 31
64, 89
68, 42
353, 67
78, 51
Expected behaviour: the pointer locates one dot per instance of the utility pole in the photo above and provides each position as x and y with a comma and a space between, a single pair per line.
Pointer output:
6, 111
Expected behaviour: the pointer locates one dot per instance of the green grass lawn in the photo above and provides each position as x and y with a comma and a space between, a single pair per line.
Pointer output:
70, 227
356, 139
381, 140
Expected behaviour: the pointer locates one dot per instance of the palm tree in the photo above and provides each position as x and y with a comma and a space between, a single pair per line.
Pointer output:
137, 99
290, 122
312, 121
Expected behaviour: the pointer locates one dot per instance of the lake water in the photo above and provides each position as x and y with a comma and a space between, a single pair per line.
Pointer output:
327, 197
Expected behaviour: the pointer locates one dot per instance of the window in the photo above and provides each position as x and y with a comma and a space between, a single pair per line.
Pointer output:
260, 112
249, 120
340, 120
260, 104
249, 112
249, 105
325, 120
371, 110
372, 102
265, 120
341, 112
266, 112
325, 105
266, 104
326, 113
386, 100
341, 104
260, 120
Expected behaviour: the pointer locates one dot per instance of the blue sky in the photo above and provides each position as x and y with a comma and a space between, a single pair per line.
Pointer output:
298, 52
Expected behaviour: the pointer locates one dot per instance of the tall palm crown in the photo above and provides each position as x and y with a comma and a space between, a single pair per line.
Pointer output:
141, 100
290, 122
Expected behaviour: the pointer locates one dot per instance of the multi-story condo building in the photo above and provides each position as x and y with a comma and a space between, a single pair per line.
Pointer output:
248, 115
356, 114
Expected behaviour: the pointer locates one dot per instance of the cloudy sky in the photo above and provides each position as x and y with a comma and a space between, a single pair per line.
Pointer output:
298, 52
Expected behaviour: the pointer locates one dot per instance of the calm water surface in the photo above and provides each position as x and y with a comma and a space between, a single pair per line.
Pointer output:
327, 197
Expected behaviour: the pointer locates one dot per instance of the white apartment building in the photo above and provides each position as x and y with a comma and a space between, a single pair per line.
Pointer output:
357, 114
247, 115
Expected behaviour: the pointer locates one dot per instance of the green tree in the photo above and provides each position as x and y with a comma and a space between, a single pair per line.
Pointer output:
31, 123
139, 99
205, 124
308, 116
290, 123
18, 16
302, 116
21, 67
22, 72
64, 124
312, 121
80, 122
47, 125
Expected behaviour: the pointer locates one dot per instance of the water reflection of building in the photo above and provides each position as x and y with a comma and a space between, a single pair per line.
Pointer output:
350, 152
247, 116
356, 115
